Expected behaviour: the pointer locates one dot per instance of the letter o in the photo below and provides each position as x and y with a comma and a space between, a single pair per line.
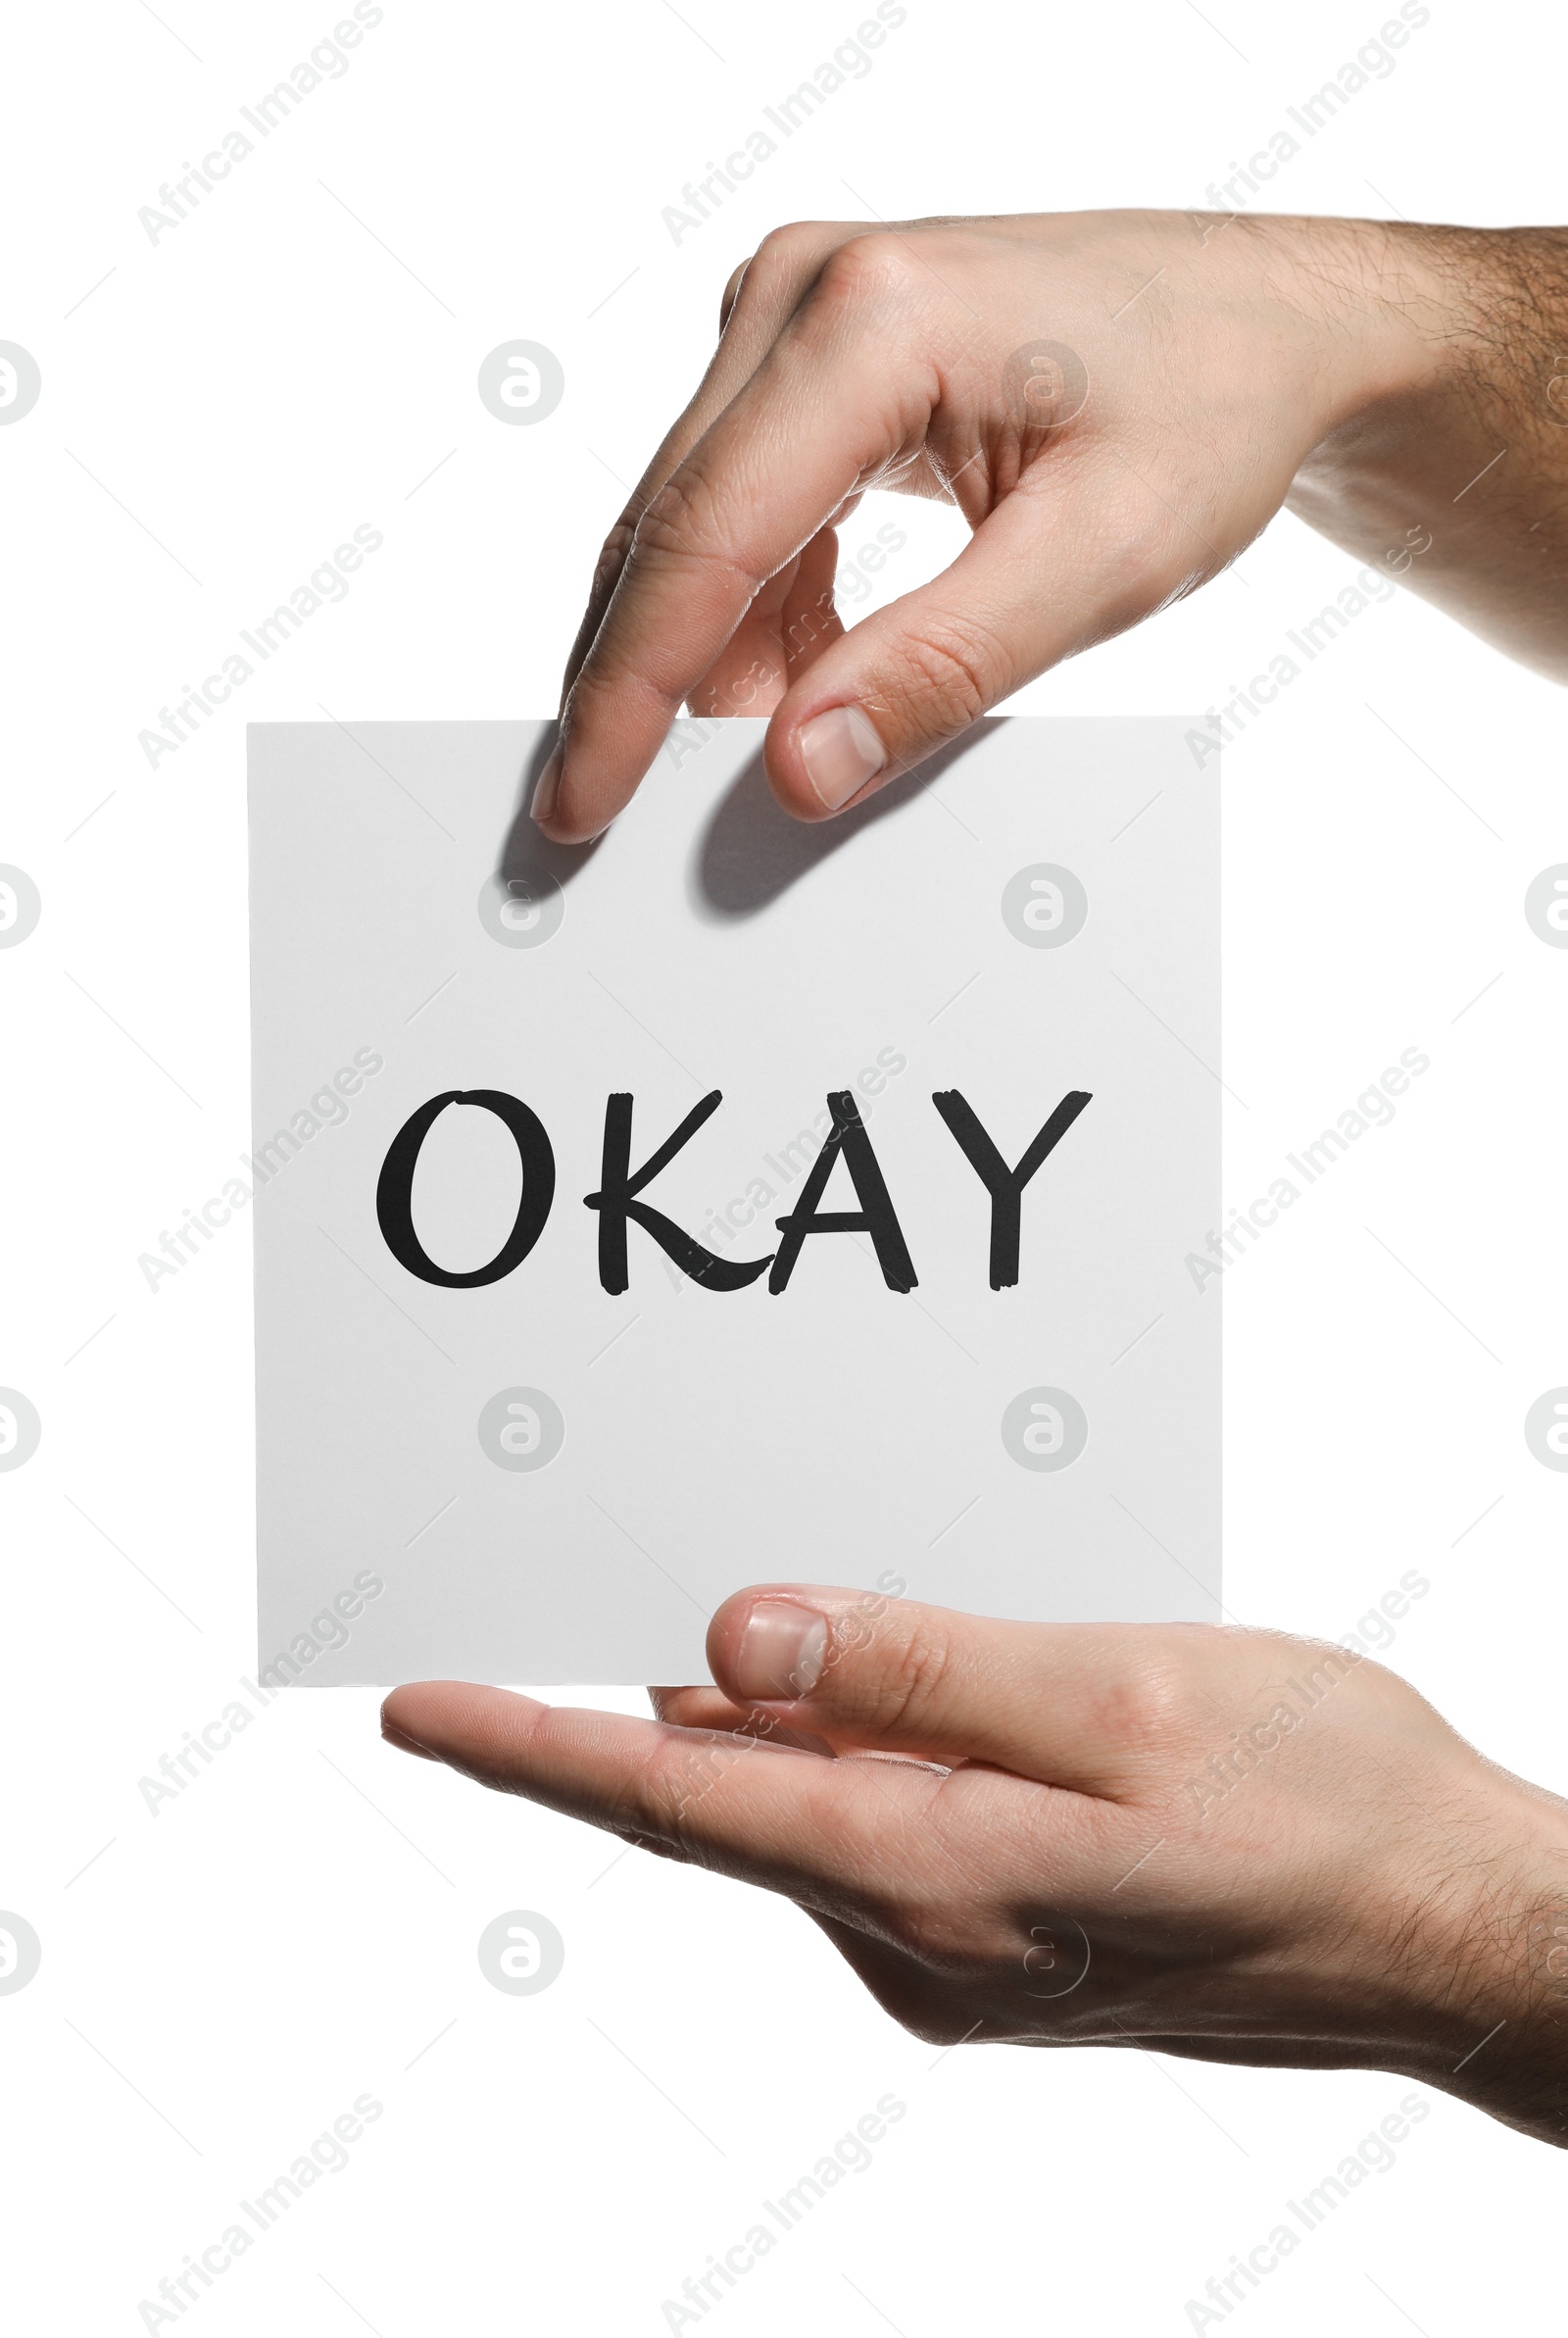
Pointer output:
394, 1192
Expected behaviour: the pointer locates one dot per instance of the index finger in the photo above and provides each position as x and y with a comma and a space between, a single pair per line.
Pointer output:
827, 1833
823, 416
773, 279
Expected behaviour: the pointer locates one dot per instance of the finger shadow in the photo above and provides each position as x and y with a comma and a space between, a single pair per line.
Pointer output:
752, 852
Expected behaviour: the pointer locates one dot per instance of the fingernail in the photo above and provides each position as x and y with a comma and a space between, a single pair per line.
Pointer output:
781, 1649
547, 787
841, 752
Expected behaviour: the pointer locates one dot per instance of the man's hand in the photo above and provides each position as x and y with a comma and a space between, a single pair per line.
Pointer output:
1226, 1844
1117, 402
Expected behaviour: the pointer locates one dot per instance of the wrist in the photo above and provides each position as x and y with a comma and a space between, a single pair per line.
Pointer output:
1389, 314
1488, 2012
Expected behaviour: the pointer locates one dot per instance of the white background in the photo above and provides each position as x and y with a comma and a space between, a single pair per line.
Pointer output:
222, 1981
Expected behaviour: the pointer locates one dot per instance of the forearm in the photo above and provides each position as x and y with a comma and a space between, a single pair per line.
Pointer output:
1452, 474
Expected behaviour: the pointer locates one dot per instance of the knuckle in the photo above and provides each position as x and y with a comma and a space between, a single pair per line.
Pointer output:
661, 1795
785, 253
731, 292
675, 515
953, 671
783, 261
1148, 1709
610, 683
613, 554
681, 528
912, 1681
863, 267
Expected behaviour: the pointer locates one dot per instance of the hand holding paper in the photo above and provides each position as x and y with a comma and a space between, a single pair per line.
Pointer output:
1231, 1845
1117, 402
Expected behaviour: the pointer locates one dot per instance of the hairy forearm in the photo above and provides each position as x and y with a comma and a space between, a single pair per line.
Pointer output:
1455, 472
1483, 1954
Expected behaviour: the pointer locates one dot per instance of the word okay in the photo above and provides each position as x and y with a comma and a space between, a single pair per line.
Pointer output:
618, 1207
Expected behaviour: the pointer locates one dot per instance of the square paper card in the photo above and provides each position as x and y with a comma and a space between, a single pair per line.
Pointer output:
730, 1201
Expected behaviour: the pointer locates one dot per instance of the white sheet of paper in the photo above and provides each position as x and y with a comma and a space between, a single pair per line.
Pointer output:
547, 1480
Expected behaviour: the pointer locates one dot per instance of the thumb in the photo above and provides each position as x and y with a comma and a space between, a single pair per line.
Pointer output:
1038, 582
1049, 1701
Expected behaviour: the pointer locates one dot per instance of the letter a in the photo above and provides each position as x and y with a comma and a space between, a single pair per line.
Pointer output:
875, 1216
